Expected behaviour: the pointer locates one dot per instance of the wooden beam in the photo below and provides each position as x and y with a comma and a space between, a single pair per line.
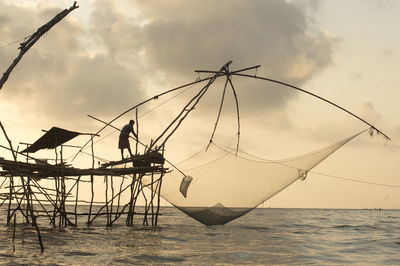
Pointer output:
29, 42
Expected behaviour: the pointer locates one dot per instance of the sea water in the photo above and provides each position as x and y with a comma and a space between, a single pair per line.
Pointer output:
263, 236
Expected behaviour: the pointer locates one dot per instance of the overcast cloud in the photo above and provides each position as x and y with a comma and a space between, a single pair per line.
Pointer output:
100, 67
107, 56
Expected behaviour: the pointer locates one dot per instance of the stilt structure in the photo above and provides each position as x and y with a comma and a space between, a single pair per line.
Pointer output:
34, 189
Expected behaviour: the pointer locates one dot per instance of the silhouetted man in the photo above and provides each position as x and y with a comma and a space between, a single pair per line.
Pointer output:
124, 138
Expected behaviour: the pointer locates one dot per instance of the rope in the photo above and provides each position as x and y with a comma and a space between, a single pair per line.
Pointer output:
142, 103
316, 96
395, 145
143, 114
14, 42
263, 160
356, 180
313, 172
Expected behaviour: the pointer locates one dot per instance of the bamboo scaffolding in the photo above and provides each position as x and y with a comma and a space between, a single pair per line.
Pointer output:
27, 191
59, 201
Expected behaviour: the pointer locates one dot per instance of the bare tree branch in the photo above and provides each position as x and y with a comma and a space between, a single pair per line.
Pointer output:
32, 39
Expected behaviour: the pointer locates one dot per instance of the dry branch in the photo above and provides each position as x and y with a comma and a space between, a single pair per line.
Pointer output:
31, 40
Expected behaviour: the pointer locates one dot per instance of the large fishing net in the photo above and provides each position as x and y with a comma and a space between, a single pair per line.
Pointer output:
223, 184
222, 180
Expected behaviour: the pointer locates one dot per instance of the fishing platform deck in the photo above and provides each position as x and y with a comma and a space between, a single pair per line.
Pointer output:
34, 190
142, 164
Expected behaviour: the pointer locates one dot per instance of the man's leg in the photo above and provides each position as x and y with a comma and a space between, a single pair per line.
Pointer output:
122, 153
130, 152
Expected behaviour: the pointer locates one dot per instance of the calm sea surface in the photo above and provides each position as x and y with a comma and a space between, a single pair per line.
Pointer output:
263, 236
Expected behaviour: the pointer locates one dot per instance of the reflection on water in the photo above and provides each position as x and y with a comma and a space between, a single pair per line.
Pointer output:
264, 236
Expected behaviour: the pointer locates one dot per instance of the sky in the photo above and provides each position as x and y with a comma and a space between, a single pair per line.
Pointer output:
107, 56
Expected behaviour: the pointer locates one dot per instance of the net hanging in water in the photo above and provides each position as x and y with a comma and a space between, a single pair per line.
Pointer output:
220, 184
225, 185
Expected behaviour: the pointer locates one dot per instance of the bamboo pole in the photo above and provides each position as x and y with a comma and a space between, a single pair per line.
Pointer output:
10, 201
101, 208
11, 149
158, 199
184, 112
27, 203
142, 103
137, 132
146, 210
91, 183
219, 114
63, 217
159, 190
13, 237
41, 205
237, 111
316, 96
112, 197
152, 199
119, 194
130, 209
106, 192
56, 186
76, 201
32, 39
31, 210
170, 163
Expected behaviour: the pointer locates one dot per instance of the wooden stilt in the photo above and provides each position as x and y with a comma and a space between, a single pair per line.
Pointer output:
91, 184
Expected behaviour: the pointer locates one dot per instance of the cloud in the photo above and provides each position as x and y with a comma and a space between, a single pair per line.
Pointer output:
380, 4
60, 77
388, 52
356, 76
102, 66
181, 36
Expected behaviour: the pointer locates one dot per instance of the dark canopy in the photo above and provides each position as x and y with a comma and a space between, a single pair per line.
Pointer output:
51, 139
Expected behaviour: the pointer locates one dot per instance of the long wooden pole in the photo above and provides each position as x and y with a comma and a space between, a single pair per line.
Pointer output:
237, 112
33, 217
142, 103
190, 106
219, 114
91, 184
316, 96
101, 121
29, 42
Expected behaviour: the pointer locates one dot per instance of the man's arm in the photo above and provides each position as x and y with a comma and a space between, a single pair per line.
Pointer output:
134, 134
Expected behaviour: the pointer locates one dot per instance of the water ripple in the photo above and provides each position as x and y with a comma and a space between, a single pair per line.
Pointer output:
264, 236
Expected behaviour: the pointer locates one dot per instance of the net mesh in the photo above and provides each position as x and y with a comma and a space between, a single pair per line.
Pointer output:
227, 184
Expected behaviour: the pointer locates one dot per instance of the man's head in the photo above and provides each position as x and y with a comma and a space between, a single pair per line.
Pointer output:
132, 122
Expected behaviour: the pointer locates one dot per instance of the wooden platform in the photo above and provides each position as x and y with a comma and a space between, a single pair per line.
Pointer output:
138, 160
139, 165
